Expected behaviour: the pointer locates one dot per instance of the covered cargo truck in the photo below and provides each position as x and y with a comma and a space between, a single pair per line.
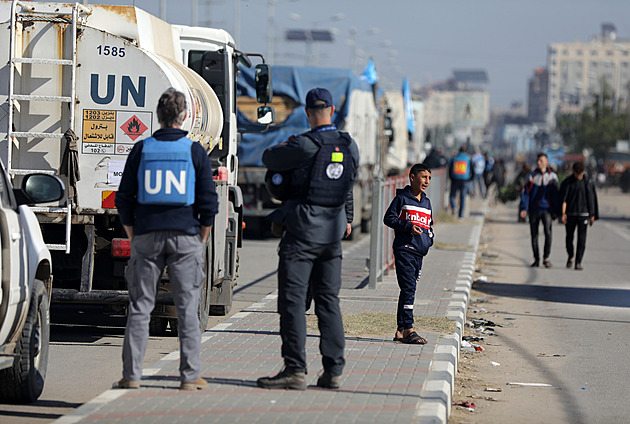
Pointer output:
355, 113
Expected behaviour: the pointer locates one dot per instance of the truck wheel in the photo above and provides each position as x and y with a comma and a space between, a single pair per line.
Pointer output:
157, 326
24, 381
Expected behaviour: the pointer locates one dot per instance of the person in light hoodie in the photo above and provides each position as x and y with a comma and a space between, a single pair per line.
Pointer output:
411, 217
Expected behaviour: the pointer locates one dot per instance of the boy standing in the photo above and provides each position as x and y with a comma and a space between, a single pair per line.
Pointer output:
410, 216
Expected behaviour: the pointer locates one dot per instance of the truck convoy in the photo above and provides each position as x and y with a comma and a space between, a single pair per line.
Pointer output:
355, 113
79, 89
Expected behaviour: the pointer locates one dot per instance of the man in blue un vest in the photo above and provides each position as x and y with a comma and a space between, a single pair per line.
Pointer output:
166, 202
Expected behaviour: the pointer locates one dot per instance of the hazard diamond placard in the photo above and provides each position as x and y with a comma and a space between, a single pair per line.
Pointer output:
134, 127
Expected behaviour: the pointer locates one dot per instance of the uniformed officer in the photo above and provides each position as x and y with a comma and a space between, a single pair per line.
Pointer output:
167, 209
323, 164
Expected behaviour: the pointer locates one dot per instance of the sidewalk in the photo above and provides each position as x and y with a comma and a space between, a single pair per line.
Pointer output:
383, 381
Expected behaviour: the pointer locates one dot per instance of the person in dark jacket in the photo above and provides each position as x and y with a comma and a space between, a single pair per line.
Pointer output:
411, 217
323, 165
579, 210
539, 200
166, 229
435, 159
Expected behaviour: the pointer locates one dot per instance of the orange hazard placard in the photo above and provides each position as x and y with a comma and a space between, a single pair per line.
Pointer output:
108, 200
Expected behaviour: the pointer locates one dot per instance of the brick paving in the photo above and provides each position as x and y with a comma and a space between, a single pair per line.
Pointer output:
383, 381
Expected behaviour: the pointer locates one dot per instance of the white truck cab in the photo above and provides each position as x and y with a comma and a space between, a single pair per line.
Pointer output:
25, 267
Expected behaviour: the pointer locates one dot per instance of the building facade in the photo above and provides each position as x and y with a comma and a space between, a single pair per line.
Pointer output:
537, 95
578, 71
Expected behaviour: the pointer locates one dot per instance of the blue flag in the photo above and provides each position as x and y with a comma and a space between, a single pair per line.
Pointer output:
411, 123
369, 74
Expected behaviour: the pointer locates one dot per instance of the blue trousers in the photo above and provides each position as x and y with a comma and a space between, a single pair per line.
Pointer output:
408, 270
462, 187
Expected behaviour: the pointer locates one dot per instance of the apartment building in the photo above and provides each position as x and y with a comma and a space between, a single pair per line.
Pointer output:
578, 71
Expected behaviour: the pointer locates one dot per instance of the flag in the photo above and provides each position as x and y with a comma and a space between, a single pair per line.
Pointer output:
411, 123
369, 74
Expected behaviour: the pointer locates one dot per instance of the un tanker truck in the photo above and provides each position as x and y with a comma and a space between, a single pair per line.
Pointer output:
355, 112
79, 87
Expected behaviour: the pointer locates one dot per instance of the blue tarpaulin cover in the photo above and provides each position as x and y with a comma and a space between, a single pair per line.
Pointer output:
293, 82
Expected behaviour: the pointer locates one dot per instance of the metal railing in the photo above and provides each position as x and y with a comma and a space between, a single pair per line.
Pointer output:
381, 237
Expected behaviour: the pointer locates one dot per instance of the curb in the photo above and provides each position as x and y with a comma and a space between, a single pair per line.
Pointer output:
436, 398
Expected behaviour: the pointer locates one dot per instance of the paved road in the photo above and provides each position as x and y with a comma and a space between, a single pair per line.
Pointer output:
570, 328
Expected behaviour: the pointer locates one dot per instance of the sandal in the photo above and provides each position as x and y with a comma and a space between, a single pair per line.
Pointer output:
411, 338
546, 263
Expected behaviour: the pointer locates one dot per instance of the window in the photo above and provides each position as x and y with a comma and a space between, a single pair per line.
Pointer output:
609, 53
593, 52
579, 52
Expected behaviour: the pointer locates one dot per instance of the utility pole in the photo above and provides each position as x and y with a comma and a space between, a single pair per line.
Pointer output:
271, 31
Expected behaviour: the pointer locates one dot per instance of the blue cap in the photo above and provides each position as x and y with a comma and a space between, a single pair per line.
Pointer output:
319, 95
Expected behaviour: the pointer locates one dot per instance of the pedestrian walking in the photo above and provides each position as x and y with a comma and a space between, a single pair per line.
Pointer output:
322, 166
539, 200
579, 210
410, 215
459, 173
167, 203
479, 166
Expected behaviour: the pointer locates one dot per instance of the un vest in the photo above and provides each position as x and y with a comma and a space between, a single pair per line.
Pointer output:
333, 170
461, 168
166, 175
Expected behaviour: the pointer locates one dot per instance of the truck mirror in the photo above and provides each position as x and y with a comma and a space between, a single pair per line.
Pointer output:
264, 91
42, 188
266, 115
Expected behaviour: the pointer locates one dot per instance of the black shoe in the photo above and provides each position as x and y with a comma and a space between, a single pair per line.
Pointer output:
569, 262
285, 379
329, 381
535, 263
578, 267
546, 263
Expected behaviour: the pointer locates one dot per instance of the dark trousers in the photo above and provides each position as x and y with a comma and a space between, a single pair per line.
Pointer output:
408, 269
321, 263
462, 187
534, 220
581, 222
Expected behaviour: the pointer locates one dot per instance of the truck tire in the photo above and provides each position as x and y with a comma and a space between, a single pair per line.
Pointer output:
24, 381
157, 326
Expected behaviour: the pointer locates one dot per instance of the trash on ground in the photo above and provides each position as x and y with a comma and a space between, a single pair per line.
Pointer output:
479, 322
509, 318
546, 355
493, 389
478, 300
473, 338
468, 405
482, 278
530, 384
494, 364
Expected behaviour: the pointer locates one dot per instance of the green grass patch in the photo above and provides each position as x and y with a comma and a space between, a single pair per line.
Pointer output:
449, 246
445, 217
382, 324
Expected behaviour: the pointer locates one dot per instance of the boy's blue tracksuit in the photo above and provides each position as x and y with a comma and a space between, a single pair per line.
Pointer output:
403, 213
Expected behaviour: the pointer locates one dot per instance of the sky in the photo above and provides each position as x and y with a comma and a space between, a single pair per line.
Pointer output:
422, 40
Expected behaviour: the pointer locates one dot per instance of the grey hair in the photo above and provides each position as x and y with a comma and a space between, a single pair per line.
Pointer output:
171, 108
